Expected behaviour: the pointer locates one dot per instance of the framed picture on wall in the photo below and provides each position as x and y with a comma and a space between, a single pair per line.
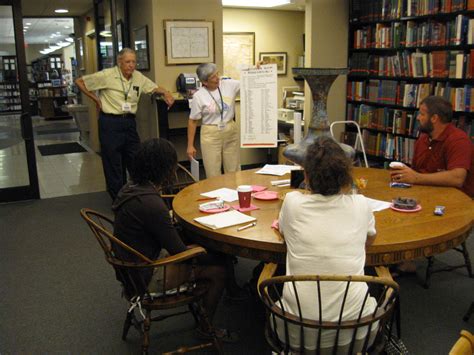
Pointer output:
239, 52
278, 58
140, 39
189, 41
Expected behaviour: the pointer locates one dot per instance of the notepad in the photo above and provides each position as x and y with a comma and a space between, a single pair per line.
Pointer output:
224, 219
228, 195
377, 205
195, 169
278, 170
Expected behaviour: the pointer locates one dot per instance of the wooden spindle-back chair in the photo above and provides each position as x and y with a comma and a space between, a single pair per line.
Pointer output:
135, 270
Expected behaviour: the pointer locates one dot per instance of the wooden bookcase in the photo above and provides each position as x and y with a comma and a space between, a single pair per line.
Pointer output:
51, 90
401, 51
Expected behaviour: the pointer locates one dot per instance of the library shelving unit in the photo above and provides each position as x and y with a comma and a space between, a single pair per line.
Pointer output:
401, 51
51, 90
10, 101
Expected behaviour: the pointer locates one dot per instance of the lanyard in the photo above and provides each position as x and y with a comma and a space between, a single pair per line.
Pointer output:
123, 86
221, 108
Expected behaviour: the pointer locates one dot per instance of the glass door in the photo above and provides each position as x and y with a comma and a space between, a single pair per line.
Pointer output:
18, 175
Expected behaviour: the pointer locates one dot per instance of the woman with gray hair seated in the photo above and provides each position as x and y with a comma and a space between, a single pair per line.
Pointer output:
214, 104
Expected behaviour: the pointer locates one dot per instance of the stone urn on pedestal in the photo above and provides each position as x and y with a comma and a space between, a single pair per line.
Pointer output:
319, 81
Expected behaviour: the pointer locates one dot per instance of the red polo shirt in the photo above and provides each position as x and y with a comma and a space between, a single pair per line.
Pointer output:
452, 149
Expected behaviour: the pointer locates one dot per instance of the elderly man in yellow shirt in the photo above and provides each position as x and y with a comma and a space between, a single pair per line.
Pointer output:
119, 89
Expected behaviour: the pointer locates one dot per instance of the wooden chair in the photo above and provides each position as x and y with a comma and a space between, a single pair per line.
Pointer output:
135, 276
464, 345
183, 178
288, 332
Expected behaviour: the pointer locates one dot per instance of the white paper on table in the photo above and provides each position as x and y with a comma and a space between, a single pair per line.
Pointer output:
258, 107
279, 170
377, 205
228, 195
195, 169
224, 219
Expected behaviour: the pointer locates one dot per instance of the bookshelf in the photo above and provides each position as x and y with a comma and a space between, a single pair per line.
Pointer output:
10, 100
51, 89
401, 51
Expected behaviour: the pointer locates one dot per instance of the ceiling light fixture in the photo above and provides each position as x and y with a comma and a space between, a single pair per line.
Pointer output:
253, 3
28, 23
106, 33
61, 11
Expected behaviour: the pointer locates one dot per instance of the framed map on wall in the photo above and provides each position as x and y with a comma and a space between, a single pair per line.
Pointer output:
189, 41
239, 52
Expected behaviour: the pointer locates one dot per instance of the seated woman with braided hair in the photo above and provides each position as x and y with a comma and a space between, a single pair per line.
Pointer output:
326, 232
142, 220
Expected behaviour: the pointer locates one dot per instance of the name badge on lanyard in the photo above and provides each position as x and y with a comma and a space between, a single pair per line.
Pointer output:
126, 107
221, 125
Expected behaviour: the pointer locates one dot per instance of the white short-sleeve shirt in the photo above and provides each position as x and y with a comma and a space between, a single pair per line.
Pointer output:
112, 87
326, 235
207, 105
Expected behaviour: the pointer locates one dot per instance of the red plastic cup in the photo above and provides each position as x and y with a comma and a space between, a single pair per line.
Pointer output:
245, 195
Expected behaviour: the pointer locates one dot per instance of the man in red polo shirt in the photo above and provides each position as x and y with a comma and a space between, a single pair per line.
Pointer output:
443, 153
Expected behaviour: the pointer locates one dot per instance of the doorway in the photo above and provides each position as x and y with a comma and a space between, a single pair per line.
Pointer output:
66, 164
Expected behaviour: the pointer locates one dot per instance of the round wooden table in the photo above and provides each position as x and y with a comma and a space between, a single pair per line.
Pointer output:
400, 236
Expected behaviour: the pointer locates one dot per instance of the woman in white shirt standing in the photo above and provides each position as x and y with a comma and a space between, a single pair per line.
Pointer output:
326, 233
214, 104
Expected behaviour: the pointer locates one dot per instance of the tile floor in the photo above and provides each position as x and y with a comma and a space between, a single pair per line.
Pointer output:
59, 175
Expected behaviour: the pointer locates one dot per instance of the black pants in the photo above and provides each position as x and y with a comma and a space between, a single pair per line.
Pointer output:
119, 142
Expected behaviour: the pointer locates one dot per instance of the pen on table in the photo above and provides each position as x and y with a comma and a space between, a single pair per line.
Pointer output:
206, 198
253, 224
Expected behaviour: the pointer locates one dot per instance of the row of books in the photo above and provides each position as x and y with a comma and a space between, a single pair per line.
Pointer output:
384, 119
435, 64
410, 95
390, 146
458, 31
375, 10
389, 92
384, 145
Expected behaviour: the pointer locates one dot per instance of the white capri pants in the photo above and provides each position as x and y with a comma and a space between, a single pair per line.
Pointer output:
220, 147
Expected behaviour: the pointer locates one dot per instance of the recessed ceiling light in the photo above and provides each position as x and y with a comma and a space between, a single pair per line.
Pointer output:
67, 27
28, 23
61, 11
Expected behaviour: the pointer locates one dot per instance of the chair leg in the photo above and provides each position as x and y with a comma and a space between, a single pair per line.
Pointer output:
206, 324
469, 313
146, 332
467, 259
126, 325
193, 312
429, 271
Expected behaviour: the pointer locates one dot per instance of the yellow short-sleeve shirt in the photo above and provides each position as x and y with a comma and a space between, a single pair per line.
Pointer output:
112, 87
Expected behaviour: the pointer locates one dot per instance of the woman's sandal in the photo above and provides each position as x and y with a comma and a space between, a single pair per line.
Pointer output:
224, 335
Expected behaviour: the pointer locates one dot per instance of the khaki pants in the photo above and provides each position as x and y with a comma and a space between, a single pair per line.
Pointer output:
220, 147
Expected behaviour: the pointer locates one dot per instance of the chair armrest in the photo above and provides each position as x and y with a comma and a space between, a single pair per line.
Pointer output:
180, 257
267, 272
383, 272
